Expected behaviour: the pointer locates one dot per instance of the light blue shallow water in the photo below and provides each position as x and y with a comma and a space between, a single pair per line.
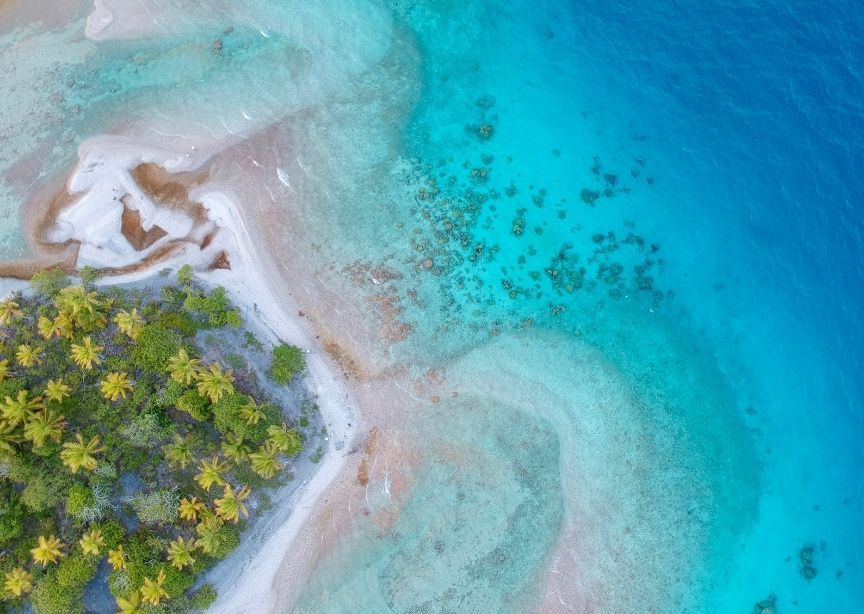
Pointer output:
721, 146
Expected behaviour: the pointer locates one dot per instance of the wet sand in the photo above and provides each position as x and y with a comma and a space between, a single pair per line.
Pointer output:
51, 13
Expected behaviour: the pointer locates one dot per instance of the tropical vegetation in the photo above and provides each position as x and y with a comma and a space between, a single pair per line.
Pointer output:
128, 436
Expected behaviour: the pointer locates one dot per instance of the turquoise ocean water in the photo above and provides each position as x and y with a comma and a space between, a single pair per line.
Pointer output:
642, 222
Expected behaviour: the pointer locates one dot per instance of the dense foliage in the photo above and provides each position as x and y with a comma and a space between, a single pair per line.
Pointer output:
125, 439
287, 362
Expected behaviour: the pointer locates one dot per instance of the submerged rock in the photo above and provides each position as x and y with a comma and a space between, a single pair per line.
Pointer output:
589, 196
806, 567
766, 606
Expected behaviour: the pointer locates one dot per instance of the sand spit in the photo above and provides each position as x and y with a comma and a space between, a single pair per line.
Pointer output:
123, 213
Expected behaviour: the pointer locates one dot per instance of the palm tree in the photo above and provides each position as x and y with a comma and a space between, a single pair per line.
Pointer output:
56, 390
130, 604
153, 591
17, 410
264, 461
180, 451
89, 322
215, 383
180, 552
4, 370
28, 356
18, 581
130, 323
208, 533
182, 368
117, 558
82, 307
64, 325
47, 550
79, 455
9, 312
116, 385
48, 327
287, 440
92, 541
8, 437
76, 299
190, 508
230, 507
235, 448
250, 412
86, 354
211, 473
44, 425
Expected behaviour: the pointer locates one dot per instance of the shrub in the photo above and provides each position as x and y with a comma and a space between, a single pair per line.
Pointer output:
119, 583
172, 297
181, 322
227, 414
177, 582
11, 387
168, 395
288, 361
204, 597
143, 549
198, 302
154, 346
195, 405
113, 533
157, 507
144, 431
233, 318
228, 418
184, 275
43, 491
100, 496
48, 597
11, 519
78, 499
75, 571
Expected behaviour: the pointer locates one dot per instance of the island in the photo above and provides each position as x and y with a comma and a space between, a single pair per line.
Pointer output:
142, 426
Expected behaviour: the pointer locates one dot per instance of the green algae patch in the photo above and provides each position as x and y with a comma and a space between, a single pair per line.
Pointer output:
128, 443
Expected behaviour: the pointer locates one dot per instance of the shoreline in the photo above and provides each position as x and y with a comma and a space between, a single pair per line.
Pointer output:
254, 582
252, 571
